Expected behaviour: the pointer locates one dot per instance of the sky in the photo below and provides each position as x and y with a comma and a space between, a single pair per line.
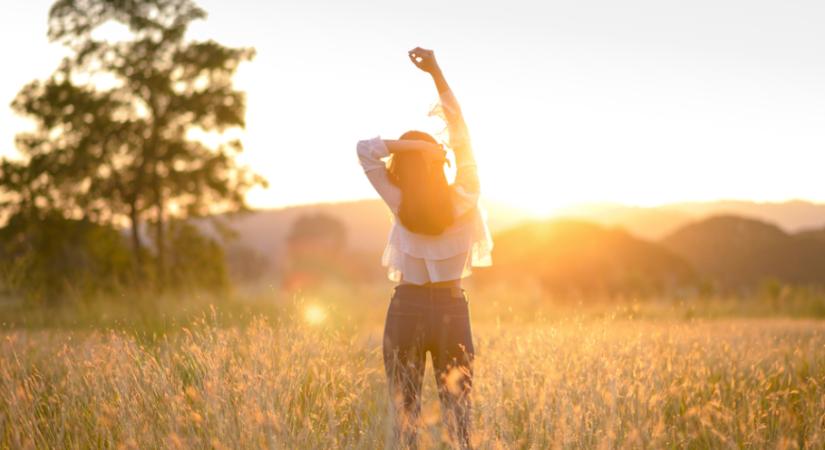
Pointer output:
642, 102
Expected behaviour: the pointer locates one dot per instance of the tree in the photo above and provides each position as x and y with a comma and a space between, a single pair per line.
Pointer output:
315, 251
196, 260
52, 258
114, 139
318, 231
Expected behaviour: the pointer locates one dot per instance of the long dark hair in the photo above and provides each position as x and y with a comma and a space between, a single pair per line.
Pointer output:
426, 206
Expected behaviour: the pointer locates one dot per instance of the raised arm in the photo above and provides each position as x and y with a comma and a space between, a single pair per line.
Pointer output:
466, 170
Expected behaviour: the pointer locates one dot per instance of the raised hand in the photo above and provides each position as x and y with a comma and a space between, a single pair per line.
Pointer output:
424, 59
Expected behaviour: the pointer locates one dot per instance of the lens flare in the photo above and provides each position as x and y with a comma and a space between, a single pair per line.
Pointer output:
314, 314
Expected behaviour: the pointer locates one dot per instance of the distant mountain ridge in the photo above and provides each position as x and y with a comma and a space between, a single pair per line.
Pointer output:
739, 252
657, 222
690, 232
575, 256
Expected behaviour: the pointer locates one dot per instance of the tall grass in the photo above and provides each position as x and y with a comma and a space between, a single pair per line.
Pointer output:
554, 381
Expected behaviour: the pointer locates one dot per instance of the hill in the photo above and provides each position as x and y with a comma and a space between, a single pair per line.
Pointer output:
648, 223
738, 252
815, 234
792, 216
567, 255
655, 223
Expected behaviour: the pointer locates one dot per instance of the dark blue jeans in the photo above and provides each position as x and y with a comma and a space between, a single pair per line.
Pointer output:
424, 319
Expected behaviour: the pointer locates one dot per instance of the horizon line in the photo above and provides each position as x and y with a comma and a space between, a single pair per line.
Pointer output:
594, 203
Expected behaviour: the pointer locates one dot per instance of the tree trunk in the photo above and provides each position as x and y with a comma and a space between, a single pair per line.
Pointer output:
159, 233
136, 245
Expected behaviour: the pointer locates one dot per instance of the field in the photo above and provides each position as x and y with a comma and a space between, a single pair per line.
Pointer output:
306, 373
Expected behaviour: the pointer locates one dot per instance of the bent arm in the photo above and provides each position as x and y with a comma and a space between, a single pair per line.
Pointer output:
370, 154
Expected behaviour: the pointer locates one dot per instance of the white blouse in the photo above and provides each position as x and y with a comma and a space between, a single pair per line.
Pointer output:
419, 258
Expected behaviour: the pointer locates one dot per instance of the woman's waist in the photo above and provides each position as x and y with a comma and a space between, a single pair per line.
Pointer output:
434, 284
446, 247
450, 289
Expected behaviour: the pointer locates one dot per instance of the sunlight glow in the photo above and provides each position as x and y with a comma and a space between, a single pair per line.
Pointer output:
621, 107
314, 314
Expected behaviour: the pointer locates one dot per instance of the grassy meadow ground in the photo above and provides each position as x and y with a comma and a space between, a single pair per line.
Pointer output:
305, 372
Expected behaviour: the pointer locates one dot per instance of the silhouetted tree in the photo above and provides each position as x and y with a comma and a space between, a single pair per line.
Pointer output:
195, 260
245, 264
315, 247
114, 139
320, 231
51, 257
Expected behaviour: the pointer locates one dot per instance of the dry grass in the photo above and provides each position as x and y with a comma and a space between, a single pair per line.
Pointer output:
577, 383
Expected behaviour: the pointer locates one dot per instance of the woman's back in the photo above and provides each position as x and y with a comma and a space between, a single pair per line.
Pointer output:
422, 258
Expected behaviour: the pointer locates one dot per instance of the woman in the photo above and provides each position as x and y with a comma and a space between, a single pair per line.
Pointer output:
439, 232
